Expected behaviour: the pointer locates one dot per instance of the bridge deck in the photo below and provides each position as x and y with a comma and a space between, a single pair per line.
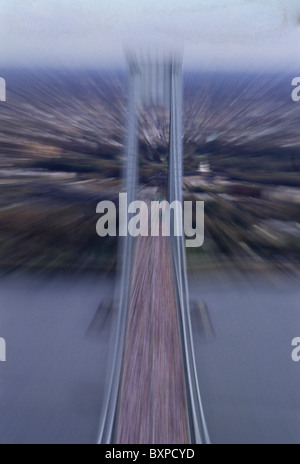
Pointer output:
152, 403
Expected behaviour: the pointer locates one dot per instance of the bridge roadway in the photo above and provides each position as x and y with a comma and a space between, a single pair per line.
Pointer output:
152, 403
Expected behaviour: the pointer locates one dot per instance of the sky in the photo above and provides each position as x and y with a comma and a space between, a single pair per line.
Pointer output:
214, 34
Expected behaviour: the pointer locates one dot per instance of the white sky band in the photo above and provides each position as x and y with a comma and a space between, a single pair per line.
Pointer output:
234, 34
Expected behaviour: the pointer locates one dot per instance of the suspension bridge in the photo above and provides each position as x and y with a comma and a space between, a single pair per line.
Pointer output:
153, 395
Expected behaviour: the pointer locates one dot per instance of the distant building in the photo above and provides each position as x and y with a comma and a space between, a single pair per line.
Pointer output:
204, 168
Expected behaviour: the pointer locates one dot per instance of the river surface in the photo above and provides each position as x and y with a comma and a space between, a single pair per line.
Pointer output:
249, 383
52, 385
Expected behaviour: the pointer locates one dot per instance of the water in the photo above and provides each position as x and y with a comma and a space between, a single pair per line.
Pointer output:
249, 383
52, 385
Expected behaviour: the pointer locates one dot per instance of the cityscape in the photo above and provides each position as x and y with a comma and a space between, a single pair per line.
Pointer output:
62, 150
